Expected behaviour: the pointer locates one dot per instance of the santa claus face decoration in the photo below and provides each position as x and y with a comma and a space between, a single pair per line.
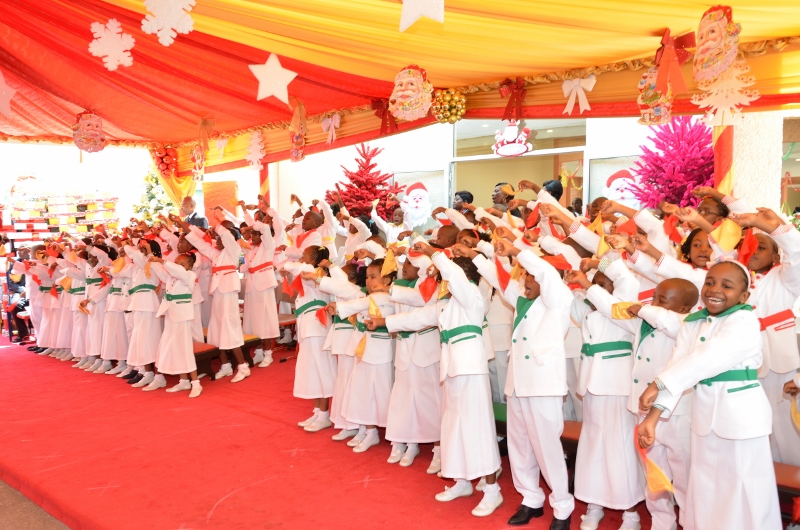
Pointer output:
416, 204
88, 133
717, 43
411, 97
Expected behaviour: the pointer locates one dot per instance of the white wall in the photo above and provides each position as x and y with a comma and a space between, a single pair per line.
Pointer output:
426, 149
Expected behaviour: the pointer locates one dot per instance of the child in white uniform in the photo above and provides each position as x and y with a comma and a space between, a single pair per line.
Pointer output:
77, 272
115, 336
97, 289
718, 352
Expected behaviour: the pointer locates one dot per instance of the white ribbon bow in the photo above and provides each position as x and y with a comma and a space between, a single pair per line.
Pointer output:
329, 126
221, 144
579, 87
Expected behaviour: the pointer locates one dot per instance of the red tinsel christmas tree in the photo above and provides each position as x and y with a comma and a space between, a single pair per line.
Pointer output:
682, 160
366, 184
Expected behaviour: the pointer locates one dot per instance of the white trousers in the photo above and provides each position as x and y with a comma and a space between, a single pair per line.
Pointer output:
573, 405
498, 372
671, 453
785, 437
534, 428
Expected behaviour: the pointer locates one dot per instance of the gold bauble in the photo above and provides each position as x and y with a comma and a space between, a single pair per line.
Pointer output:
453, 119
447, 97
437, 93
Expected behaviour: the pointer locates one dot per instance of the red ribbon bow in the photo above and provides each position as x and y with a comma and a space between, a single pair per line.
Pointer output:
381, 108
669, 58
515, 92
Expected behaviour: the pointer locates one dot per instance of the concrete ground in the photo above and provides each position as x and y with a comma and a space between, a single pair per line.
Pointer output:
17, 512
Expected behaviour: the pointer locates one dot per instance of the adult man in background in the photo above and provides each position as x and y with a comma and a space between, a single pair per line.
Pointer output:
193, 218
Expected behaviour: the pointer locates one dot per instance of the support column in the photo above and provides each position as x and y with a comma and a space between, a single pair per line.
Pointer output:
757, 151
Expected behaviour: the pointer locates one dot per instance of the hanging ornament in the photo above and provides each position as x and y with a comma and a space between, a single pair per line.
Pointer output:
654, 106
165, 159
199, 159
718, 72
256, 150
515, 92
449, 105
512, 142
298, 128
411, 96
577, 88
167, 18
221, 144
329, 125
381, 108
273, 79
88, 133
413, 10
111, 44
669, 58
568, 179
6, 93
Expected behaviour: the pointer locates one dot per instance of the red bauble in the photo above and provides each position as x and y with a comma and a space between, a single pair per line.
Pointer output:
160, 153
168, 159
171, 151
162, 166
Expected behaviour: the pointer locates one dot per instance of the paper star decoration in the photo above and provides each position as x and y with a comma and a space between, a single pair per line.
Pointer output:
6, 93
273, 79
413, 10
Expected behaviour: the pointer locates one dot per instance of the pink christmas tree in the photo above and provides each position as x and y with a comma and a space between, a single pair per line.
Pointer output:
682, 160
366, 184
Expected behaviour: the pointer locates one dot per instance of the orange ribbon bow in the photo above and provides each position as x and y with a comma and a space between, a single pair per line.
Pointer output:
669, 58
515, 92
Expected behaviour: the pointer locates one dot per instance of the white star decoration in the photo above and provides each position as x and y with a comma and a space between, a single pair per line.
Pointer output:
413, 10
273, 79
6, 93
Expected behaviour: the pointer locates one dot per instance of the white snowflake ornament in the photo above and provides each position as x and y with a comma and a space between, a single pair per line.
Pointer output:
255, 150
168, 18
111, 44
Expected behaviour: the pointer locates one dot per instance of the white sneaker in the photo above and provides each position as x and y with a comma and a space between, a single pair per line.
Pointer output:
48, 351
492, 499
310, 420
482, 481
224, 371
436, 461
591, 519
258, 356
105, 367
630, 521
462, 488
267, 359
362, 433
323, 421
344, 434
196, 389
398, 450
81, 363
159, 381
410, 454
94, 366
67, 356
126, 371
242, 371
286, 338
372, 438
148, 378
121, 365
183, 384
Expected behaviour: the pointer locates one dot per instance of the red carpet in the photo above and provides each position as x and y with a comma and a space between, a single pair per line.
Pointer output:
98, 454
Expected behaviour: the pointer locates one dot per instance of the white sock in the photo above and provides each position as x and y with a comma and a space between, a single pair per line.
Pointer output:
196, 382
323, 414
491, 488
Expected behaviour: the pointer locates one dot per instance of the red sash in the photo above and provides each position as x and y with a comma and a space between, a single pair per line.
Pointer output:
221, 268
785, 318
302, 237
647, 295
257, 268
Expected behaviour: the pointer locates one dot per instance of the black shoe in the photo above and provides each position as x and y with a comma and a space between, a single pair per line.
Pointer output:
524, 515
136, 379
502, 446
39, 350
34, 347
16, 340
560, 524
131, 374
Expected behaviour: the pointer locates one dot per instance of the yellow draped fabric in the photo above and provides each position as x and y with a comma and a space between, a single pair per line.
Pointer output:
178, 187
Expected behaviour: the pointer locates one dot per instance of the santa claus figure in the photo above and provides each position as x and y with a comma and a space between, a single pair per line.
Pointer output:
411, 97
717, 44
618, 188
416, 205
512, 142
88, 133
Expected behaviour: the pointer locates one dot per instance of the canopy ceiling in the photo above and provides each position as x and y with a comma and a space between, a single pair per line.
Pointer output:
346, 53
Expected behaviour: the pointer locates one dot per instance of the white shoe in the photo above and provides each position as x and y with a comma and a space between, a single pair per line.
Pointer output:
362, 433
54, 352
126, 371
323, 421
436, 461
105, 367
398, 450
409, 456
344, 434
94, 365
67, 356
630, 521
121, 365
148, 378
224, 371
81, 363
242, 371
310, 420
482, 482
258, 356
183, 384
372, 438
591, 519
286, 338
48, 351
196, 389
462, 488
267, 360
159, 381
492, 499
